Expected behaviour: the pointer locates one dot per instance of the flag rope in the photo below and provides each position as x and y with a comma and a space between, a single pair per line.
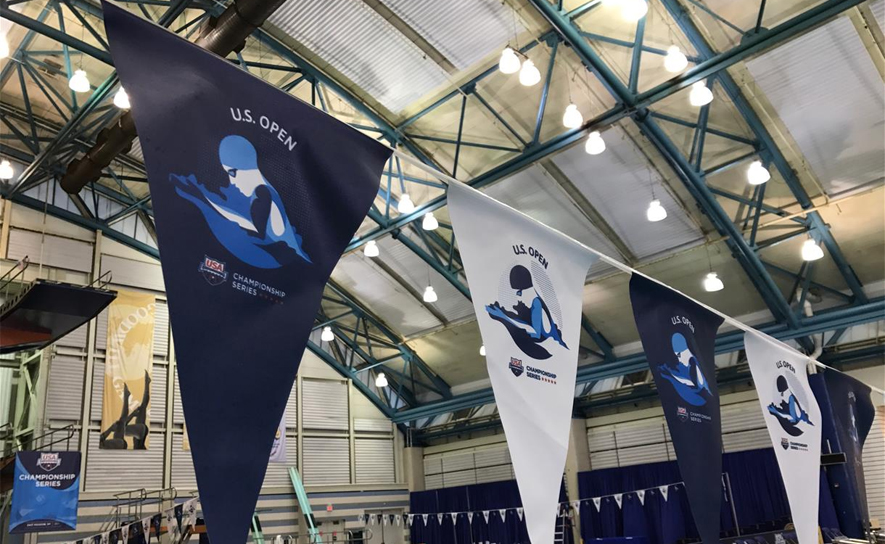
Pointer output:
618, 264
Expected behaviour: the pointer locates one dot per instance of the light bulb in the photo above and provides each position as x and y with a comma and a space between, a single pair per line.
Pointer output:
700, 94
595, 144
712, 283
529, 74
757, 174
429, 222
381, 380
405, 204
371, 249
121, 99
675, 61
811, 251
6, 171
4, 47
633, 10
430, 294
79, 82
655, 212
482, 350
572, 118
327, 335
509, 63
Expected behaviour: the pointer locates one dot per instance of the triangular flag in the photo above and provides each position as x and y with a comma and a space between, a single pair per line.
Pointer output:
454, 517
641, 495
439, 518
519, 513
425, 516
503, 513
576, 505
372, 519
597, 501
470, 517
398, 519
485, 514
254, 206
664, 490
383, 519
619, 497
527, 282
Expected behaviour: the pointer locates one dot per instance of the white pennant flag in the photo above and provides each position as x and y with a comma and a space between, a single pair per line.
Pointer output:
485, 514
619, 498
372, 519
519, 513
576, 505
597, 502
794, 424
398, 519
425, 516
439, 518
527, 282
454, 518
664, 490
470, 518
383, 519
641, 495
503, 513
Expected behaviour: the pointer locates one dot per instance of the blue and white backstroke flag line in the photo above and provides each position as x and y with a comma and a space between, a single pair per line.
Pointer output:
255, 197
527, 284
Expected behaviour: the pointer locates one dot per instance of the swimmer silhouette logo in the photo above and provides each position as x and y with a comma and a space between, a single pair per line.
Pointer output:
686, 376
246, 214
788, 406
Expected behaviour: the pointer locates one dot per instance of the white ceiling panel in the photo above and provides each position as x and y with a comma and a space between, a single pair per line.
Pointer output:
828, 93
464, 31
618, 183
387, 299
363, 46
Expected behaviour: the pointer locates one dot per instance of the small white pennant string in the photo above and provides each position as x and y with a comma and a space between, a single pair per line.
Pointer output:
470, 518
399, 520
597, 502
372, 519
454, 518
576, 505
439, 518
641, 495
485, 514
383, 519
425, 516
519, 513
619, 498
664, 490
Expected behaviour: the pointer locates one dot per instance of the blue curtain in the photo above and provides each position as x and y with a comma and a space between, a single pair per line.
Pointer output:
759, 500
490, 497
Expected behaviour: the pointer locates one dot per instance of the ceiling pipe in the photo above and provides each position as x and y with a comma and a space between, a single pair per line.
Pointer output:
220, 35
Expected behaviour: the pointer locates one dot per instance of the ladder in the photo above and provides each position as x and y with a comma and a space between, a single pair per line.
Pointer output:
304, 503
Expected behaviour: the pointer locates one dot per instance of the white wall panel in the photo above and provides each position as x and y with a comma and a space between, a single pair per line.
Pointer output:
122, 470
183, 476
277, 474
57, 251
372, 425
374, 461
326, 461
468, 466
64, 397
158, 395
874, 466
75, 339
161, 329
133, 273
324, 404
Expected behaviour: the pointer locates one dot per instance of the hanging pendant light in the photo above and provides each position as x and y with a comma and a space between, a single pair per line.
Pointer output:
327, 335
572, 117
509, 63
675, 61
121, 99
482, 350
405, 204
700, 95
429, 222
595, 144
79, 82
757, 174
811, 251
529, 74
655, 212
633, 10
430, 294
6, 171
712, 283
371, 249
381, 380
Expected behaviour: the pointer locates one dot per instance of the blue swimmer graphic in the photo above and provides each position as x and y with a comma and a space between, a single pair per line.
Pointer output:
247, 216
687, 377
788, 412
529, 321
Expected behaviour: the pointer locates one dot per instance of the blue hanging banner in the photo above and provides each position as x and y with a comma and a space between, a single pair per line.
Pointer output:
45, 492
678, 338
255, 197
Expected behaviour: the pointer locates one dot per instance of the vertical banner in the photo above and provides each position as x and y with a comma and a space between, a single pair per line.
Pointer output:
527, 283
794, 424
126, 402
45, 492
278, 449
255, 196
678, 337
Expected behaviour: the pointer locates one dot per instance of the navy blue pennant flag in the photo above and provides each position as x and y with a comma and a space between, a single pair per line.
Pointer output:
255, 196
678, 338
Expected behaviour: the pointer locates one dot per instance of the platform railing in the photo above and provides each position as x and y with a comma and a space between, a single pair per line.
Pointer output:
46, 440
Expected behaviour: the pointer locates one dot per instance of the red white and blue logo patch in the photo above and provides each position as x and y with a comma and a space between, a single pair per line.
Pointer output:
516, 367
213, 270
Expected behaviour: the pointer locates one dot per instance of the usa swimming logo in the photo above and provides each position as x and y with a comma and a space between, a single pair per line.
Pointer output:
213, 270
785, 443
516, 367
49, 461
682, 413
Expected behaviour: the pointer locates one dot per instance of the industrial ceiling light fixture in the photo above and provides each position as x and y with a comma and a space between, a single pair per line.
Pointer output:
595, 144
757, 174
6, 171
811, 251
327, 335
712, 283
572, 117
79, 82
633, 10
482, 350
655, 211
430, 294
509, 63
529, 74
700, 94
381, 380
371, 249
675, 61
429, 222
405, 204
121, 99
